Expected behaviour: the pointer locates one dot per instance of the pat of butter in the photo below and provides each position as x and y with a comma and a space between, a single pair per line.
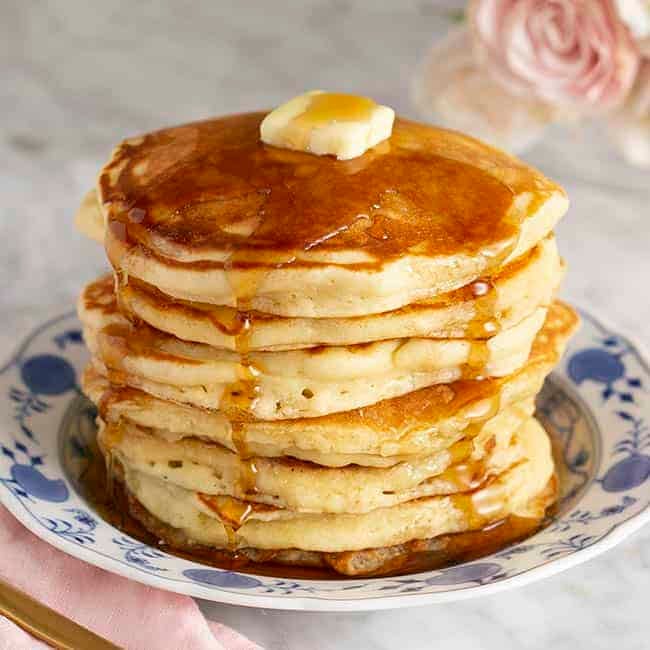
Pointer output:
321, 123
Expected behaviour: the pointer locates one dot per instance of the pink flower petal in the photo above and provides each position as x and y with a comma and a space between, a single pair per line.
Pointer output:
576, 53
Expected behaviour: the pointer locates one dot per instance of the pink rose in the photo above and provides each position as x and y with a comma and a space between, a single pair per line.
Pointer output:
572, 53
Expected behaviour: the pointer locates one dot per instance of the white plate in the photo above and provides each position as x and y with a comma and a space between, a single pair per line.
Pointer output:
597, 403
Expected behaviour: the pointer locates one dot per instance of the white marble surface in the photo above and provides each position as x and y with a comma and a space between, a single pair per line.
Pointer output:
78, 76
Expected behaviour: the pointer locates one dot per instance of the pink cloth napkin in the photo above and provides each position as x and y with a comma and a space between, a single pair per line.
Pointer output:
127, 613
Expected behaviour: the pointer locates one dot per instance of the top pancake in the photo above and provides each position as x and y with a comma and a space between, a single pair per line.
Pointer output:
207, 212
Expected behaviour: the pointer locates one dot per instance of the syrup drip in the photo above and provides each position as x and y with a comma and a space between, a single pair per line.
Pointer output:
231, 536
233, 513
482, 325
339, 107
484, 409
239, 438
111, 437
481, 506
225, 319
460, 451
489, 501
465, 476
240, 397
463, 473
109, 459
477, 359
248, 477
112, 351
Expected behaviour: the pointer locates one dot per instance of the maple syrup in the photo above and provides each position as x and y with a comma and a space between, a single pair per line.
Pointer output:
204, 180
465, 476
339, 107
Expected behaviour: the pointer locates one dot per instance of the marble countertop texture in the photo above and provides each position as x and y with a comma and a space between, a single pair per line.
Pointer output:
78, 76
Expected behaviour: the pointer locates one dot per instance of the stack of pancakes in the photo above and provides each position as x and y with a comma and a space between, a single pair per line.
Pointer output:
320, 362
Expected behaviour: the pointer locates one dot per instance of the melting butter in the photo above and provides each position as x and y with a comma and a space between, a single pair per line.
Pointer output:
322, 123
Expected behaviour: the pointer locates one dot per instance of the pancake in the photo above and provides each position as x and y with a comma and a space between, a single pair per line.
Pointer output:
275, 528
205, 212
414, 556
478, 310
291, 383
211, 469
420, 422
89, 219
504, 300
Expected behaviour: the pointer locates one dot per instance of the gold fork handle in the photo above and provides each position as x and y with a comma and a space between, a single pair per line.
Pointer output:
46, 624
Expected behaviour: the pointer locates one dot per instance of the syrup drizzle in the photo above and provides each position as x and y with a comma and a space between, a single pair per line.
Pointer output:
340, 107
465, 476
239, 398
110, 438
211, 179
233, 513
482, 325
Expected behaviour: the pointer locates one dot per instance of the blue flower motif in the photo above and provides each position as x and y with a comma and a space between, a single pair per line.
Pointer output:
84, 518
596, 364
225, 579
627, 474
634, 470
618, 508
34, 483
605, 366
47, 374
585, 517
139, 554
30, 481
82, 532
26, 405
475, 572
69, 336
509, 553
567, 546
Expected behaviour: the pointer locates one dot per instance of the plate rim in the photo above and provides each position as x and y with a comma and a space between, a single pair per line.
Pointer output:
616, 535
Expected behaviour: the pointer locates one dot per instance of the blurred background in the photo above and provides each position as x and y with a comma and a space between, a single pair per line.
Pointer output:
79, 76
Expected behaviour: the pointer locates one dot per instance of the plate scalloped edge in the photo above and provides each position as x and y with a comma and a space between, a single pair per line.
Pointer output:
598, 402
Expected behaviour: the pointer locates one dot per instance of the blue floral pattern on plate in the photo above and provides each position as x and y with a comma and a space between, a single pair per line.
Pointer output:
596, 403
